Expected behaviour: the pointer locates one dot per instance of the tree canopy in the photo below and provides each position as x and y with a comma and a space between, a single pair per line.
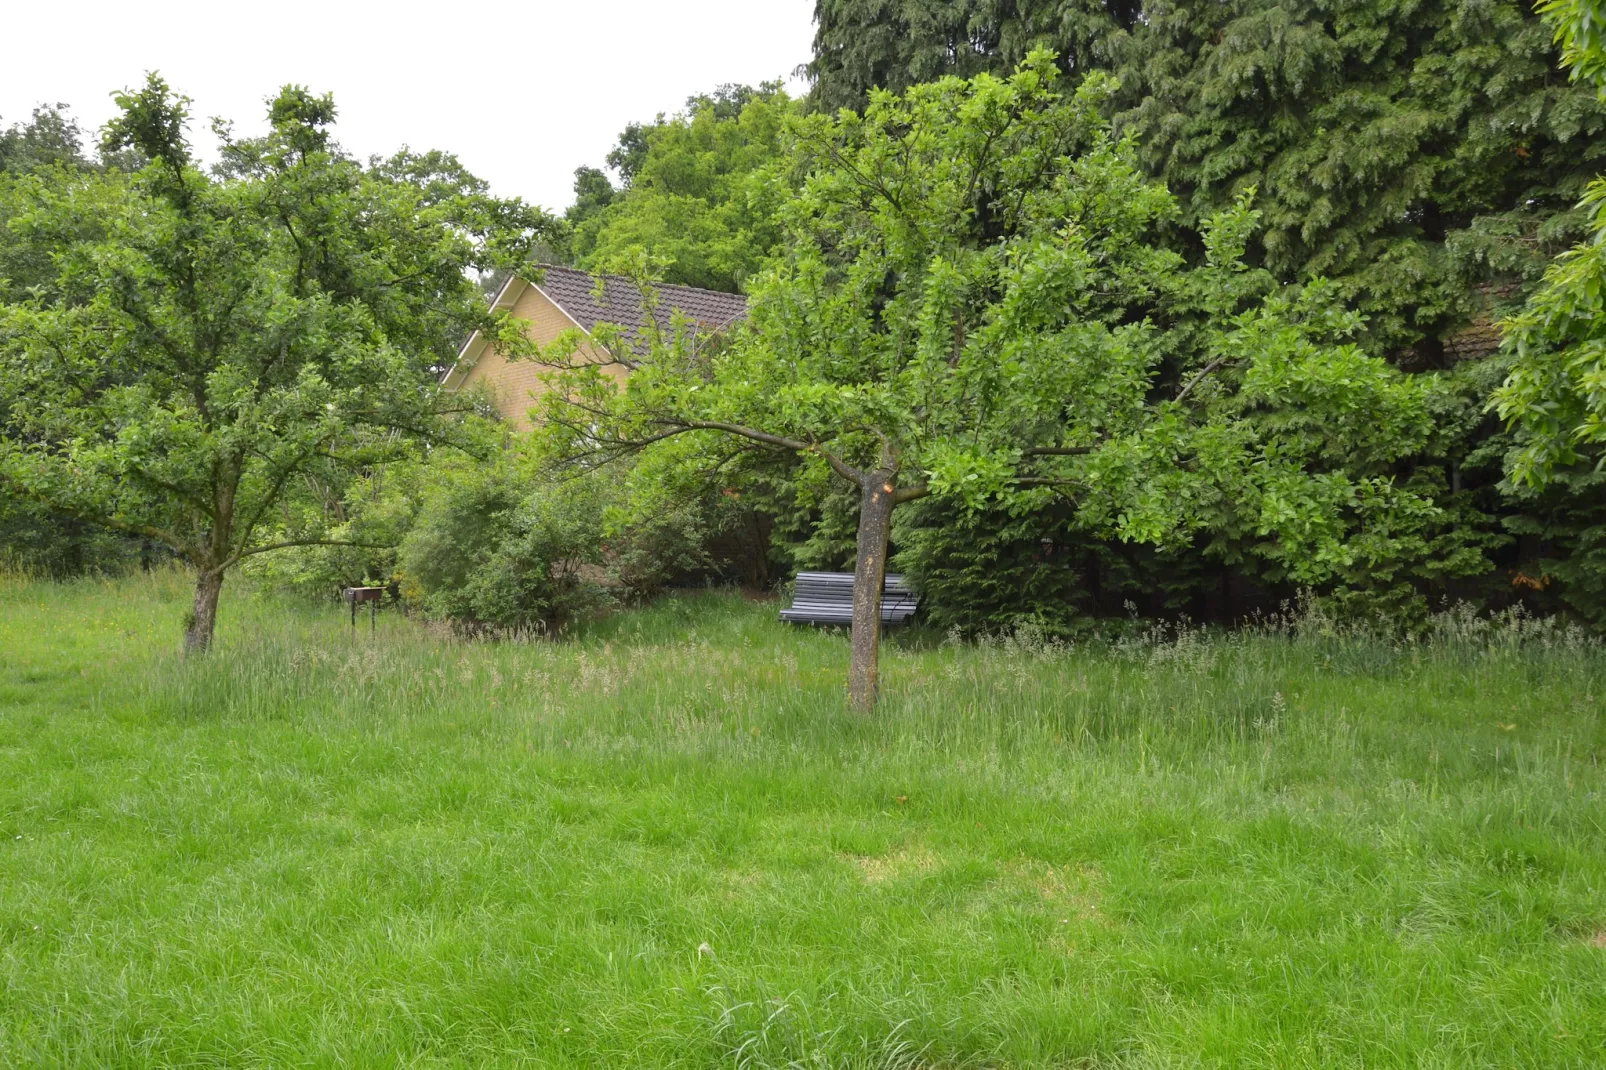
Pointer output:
699, 191
202, 340
1556, 391
51, 136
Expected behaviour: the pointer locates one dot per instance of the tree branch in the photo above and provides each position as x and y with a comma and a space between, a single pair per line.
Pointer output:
745, 432
166, 538
253, 551
842, 468
172, 488
276, 487
1199, 378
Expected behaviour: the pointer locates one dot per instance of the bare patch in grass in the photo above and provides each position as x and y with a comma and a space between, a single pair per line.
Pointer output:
738, 885
1076, 890
904, 862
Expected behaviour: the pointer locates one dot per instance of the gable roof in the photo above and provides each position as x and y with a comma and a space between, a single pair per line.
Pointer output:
620, 302
574, 294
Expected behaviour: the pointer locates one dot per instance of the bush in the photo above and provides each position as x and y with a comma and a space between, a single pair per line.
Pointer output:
675, 514
496, 550
988, 572
36, 541
493, 540
657, 524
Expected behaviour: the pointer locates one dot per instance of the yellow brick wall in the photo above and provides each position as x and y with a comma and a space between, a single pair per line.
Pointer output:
515, 384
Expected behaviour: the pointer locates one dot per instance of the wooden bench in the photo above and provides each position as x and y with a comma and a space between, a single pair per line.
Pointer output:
827, 598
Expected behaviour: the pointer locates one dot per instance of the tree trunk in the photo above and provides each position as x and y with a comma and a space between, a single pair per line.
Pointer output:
869, 576
203, 618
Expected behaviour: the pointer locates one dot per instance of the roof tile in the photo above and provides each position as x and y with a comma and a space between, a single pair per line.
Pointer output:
621, 303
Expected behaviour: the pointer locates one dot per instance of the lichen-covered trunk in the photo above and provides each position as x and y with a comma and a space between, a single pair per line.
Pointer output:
203, 615
869, 576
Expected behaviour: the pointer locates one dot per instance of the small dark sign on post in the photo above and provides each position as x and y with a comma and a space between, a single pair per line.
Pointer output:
360, 595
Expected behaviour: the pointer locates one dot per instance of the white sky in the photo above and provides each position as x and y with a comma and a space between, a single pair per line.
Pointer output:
523, 93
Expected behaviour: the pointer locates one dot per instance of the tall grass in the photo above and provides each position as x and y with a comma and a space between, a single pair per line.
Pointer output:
666, 841
712, 674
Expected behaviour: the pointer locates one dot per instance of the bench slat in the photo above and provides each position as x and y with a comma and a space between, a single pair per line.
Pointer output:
827, 598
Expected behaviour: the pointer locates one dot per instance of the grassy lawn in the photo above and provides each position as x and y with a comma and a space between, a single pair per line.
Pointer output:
666, 843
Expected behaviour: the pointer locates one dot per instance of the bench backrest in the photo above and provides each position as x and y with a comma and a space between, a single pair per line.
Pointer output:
827, 598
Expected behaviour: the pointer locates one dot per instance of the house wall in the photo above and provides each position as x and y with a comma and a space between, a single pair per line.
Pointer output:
516, 384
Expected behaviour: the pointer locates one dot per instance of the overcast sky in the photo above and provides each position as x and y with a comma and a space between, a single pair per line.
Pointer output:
524, 93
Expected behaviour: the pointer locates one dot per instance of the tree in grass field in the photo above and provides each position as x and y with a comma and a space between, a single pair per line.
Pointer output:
204, 340
972, 303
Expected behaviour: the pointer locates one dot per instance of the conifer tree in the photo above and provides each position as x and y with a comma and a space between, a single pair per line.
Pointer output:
1409, 152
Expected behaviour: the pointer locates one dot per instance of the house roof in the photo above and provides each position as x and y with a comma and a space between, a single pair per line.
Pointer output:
620, 302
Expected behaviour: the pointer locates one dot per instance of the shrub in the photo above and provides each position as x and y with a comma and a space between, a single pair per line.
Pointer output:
496, 550
658, 521
989, 572
35, 541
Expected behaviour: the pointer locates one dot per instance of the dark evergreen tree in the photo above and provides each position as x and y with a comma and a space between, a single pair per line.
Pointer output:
860, 45
1409, 151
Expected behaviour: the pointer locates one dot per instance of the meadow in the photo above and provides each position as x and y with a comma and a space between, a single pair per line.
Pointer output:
665, 842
